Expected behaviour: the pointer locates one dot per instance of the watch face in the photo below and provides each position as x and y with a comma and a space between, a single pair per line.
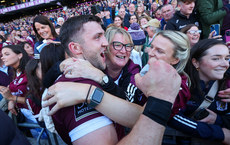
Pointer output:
98, 94
105, 79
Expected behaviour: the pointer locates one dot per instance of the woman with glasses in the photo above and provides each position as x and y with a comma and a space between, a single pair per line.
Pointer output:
193, 33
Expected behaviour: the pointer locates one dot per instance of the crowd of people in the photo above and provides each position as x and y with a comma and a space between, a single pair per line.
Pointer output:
91, 72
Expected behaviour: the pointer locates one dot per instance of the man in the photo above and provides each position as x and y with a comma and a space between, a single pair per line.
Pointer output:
148, 129
122, 12
183, 17
130, 13
60, 21
151, 28
167, 12
83, 38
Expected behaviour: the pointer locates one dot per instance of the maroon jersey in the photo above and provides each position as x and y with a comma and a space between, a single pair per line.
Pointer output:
76, 121
18, 87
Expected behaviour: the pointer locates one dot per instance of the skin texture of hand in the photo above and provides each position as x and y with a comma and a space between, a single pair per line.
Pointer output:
11, 107
57, 91
161, 81
75, 68
218, 37
5, 91
224, 95
226, 136
211, 118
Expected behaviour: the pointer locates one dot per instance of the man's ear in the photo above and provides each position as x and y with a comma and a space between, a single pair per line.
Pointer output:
75, 48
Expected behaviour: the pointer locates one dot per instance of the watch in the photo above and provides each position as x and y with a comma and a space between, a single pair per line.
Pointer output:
105, 80
96, 97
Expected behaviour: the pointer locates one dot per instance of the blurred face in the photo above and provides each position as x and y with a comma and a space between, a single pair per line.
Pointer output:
117, 21
186, 8
143, 21
10, 58
29, 49
214, 64
162, 49
154, 6
43, 30
94, 44
18, 33
118, 58
158, 14
24, 34
60, 22
133, 19
194, 35
132, 8
167, 12
122, 12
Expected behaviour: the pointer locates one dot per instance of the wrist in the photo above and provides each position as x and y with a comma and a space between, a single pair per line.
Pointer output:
13, 98
158, 110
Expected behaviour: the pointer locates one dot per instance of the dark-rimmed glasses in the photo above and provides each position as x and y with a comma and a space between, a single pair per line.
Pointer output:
118, 46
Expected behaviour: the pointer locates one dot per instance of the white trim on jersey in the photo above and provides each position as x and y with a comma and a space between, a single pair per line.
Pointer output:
88, 127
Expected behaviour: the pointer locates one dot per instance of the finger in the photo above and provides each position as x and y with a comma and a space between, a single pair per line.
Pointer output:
225, 100
53, 110
49, 102
49, 93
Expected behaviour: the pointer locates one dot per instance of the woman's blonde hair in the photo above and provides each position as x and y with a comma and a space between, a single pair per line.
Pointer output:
181, 47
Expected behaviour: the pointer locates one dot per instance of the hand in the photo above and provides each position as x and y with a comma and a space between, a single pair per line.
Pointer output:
58, 93
5, 91
11, 107
226, 136
211, 118
218, 37
161, 81
48, 41
75, 68
224, 95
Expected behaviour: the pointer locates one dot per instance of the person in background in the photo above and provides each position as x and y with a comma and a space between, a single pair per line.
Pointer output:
60, 21
45, 32
193, 33
209, 60
213, 12
167, 12
139, 39
151, 28
28, 48
118, 21
183, 17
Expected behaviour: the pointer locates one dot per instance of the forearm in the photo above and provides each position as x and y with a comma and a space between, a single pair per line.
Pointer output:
145, 132
18, 99
119, 110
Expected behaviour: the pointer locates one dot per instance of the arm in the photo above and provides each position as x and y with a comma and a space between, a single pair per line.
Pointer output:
5, 91
82, 68
205, 8
110, 106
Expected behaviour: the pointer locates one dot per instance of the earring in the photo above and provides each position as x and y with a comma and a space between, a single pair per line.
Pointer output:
197, 68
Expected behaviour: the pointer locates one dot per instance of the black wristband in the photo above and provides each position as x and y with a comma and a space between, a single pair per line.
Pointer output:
86, 98
158, 110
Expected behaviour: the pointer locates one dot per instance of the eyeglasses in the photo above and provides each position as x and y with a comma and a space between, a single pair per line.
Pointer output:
118, 46
192, 32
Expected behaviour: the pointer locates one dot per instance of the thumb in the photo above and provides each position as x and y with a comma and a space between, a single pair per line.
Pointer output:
138, 79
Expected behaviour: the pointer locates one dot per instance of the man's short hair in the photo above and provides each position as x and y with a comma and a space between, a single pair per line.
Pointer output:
72, 29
